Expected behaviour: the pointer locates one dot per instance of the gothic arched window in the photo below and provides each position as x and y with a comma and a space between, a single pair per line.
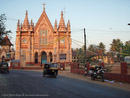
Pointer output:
43, 37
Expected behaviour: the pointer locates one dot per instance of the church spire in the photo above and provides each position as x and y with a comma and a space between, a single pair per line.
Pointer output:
18, 25
68, 26
62, 23
26, 22
55, 26
31, 22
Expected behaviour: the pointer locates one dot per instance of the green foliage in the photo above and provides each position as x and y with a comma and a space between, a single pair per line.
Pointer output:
126, 49
80, 55
90, 58
116, 45
101, 46
92, 48
120, 49
3, 31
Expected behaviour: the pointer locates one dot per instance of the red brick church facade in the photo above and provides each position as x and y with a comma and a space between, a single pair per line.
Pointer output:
43, 43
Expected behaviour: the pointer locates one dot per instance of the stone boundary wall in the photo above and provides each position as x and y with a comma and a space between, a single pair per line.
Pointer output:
122, 77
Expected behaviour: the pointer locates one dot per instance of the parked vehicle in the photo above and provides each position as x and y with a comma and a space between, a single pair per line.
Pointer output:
50, 69
91, 69
98, 73
127, 60
4, 68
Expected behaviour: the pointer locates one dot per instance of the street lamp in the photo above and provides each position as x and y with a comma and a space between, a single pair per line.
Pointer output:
129, 24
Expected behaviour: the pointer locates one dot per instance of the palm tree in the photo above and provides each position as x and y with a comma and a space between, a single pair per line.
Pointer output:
101, 46
113, 45
101, 49
92, 48
116, 47
126, 48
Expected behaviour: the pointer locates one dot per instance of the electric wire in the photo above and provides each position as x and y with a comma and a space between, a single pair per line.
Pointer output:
77, 41
77, 30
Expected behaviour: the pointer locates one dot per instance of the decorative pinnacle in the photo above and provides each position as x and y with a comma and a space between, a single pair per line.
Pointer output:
18, 22
61, 13
31, 22
69, 22
55, 26
26, 12
43, 6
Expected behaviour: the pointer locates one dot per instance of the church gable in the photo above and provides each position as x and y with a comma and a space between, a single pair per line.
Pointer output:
43, 31
43, 24
6, 41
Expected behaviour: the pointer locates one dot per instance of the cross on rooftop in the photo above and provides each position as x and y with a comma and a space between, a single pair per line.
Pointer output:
44, 6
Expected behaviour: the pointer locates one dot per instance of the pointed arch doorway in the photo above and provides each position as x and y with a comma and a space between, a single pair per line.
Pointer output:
50, 57
36, 58
3, 58
43, 57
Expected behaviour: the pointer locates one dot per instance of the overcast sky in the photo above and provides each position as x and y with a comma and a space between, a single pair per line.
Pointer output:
104, 20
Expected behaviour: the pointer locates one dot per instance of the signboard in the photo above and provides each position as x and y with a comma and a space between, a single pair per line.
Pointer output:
15, 63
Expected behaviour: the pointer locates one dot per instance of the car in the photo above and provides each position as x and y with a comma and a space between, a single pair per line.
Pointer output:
50, 69
4, 68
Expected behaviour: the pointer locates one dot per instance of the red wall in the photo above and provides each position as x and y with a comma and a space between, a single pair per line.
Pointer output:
122, 77
118, 77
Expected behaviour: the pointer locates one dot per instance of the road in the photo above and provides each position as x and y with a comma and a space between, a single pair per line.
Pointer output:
31, 84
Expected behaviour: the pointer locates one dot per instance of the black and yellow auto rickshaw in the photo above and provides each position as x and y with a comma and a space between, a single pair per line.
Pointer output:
50, 69
4, 68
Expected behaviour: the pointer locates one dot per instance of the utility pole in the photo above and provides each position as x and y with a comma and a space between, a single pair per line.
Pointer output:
85, 66
84, 46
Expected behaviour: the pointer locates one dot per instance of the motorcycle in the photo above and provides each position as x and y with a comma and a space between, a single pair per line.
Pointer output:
98, 73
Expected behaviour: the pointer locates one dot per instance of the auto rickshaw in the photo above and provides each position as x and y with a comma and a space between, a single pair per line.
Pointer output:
50, 69
4, 68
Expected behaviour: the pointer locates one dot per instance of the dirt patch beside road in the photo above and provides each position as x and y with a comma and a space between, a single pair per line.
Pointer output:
111, 83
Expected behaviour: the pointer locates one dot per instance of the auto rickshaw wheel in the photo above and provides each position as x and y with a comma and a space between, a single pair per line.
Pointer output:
1, 72
55, 74
8, 71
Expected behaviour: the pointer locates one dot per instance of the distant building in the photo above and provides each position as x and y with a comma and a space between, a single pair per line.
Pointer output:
43, 43
75, 57
6, 52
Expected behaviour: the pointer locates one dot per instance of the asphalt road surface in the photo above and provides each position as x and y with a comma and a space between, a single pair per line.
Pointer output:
31, 84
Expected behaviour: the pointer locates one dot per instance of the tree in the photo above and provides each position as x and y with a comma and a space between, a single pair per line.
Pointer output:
3, 31
80, 54
92, 48
101, 49
101, 46
126, 48
116, 48
116, 45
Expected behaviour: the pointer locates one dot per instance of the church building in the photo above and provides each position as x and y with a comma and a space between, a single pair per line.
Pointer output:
43, 43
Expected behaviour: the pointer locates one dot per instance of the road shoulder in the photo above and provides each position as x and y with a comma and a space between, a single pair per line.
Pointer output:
112, 83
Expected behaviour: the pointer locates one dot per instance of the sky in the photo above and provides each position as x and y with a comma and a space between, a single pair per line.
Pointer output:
103, 20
